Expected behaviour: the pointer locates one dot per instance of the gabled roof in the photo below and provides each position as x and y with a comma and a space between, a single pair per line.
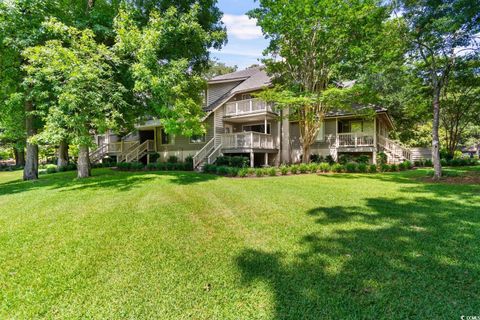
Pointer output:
251, 79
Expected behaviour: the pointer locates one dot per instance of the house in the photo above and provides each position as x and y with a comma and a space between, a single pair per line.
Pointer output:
239, 124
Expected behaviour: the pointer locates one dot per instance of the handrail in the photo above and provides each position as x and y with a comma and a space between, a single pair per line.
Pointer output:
248, 139
394, 147
138, 151
246, 106
355, 139
122, 156
202, 153
215, 154
98, 153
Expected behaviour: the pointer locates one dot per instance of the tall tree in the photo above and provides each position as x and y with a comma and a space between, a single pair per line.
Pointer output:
320, 44
165, 58
72, 81
439, 32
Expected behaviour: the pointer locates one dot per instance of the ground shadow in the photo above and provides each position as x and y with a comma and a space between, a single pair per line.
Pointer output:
101, 179
392, 258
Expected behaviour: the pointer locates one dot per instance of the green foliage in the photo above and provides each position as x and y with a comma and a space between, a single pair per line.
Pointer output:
172, 159
260, 172
382, 158
345, 158
313, 167
272, 172
324, 167
329, 159
51, 168
384, 167
362, 167
303, 168
394, 167
294, 169
372, 168
284, 170
338, 168
351, 167
236, 161
243, 172
362, 159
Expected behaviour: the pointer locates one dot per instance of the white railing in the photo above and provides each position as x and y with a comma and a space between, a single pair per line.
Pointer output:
122, 146
395, 148
126, 149
203, 153
246, 106
215, 154
98, 154
355, 139
140, 151
249, 139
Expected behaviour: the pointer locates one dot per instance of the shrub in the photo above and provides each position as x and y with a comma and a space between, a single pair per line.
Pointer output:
243, 172
51, 168
372, 168
251, 171
303, 168
210, 168
222, 161
284, 170
351, 167
238, 162
402, 166
382, 158
222, 170
124, 165
316, 158
313, 167
294, 169
428, 163
362, 167
189, 163
233, 171
444, 162
384, 167
337, 167
329, 159
418, 163
344, 159
324, 167
259, 172
394, 167
137, 166
409, 164
272, 172
172, 159
62, 168
152, 166
363, 159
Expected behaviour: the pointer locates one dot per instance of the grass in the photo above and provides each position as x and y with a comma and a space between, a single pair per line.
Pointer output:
185, 245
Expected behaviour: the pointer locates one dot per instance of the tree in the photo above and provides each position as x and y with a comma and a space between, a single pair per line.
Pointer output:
164, 59
321, 44
461, 102
438, 33
72, 82
217, 68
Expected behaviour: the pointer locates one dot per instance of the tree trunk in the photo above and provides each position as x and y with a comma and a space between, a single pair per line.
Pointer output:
306, 153
83, 165
435, 136
62, 154
19, 156
30, 171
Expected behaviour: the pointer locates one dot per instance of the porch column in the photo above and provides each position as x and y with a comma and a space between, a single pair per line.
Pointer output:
265, 124
252, 162
374, 157
266, 159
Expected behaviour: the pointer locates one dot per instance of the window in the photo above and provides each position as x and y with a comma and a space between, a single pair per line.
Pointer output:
321, 132
197, 138
166, 138
257, 128
246, 96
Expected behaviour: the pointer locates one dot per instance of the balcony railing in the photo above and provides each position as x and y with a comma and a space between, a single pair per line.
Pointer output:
355, 139
243, 107
250, 140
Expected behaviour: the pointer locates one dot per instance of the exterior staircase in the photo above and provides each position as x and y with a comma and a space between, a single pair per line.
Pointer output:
100, 153
141, 150
207, 155
396, 152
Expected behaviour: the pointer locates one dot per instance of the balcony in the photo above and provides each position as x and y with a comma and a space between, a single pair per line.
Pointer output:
247, 107
248, 140
355, 140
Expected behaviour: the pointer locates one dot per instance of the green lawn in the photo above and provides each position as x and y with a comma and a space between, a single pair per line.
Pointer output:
195, 246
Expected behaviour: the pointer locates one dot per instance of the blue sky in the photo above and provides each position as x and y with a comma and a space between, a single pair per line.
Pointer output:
245, 39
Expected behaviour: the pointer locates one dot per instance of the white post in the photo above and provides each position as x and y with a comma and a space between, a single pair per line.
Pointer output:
265, 122
236, 107
266, 159
252, 162
251, 105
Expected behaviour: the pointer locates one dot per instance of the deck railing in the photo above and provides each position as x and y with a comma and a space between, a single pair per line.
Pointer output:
395, 148
243, 107
250, 139
355, 139
203, 153
121, 147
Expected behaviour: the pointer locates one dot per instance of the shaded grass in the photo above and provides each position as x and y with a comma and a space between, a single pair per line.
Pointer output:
185, 245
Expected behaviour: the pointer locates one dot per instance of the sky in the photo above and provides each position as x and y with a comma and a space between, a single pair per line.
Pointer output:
245, 39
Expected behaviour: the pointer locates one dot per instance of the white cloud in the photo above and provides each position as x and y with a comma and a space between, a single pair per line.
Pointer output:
242, 27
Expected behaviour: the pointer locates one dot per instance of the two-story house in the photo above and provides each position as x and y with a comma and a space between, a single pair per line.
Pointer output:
239, 124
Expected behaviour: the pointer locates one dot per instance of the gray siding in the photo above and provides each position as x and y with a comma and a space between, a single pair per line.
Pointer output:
216, 91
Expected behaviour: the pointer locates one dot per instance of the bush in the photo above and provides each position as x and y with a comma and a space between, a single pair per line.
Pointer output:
393, 167
243, 172
382, 158
402, 166
284, 170
251, 171
444, 162
222, 170
313, 167
294, 169
124, 165
384, 167
329, 159
316, 158
172, 159
372, 168
189, 163
409, 164
351, 167
222, 161
337, 167
419, 163
272, 172
152, 166
362, 167
232, 171
344, 159
303, 168
154, 157
210, 168
259, 172
363, 159
324, 167
238, 162
51, 168
137, 166
428, 163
